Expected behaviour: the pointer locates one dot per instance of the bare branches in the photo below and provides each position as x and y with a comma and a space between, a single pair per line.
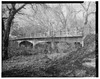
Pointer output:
65, 18
20, 8
86, 19
91, 13
34, 8
76, 12
86, 9
83, 6
59, 13
20, 13
88, 6
45, 6
8, 7
87, 13
13, 6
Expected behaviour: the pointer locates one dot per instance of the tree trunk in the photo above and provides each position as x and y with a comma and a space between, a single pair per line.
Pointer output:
12, 13
3, 27
6, 37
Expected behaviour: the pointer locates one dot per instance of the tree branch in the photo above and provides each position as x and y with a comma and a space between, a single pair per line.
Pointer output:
20, 8
60, 15
91, 13
88, 6
21, 13
13, 6
35, 10
8, 8
83, 7
86, 19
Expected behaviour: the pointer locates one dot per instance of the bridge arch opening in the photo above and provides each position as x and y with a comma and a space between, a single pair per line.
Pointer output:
26, 44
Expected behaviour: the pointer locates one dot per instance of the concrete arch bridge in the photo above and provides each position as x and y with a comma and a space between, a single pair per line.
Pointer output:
52, 40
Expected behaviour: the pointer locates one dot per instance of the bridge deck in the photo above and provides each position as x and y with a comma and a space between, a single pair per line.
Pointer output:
71, 38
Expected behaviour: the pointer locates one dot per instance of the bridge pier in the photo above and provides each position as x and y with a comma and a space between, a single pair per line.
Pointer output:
54, 46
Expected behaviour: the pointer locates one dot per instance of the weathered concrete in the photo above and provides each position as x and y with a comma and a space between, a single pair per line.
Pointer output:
70, 39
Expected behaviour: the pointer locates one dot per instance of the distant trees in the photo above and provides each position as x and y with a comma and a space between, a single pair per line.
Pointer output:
44, 20
62, 16
89, 10
18, 32
76, 19
57, 19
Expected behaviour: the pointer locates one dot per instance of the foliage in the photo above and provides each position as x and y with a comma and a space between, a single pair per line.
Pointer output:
89, 39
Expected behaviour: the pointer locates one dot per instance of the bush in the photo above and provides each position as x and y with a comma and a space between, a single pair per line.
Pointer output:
65, 47
43, 48
90, 42
89, 39
78, 45
20, 51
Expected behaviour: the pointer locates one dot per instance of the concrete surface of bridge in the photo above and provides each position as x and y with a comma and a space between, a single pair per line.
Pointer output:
70, 39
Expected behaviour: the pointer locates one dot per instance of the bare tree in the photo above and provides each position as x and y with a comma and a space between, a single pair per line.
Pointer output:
64, 13
43, 18
89, 8
87, 11
12, 12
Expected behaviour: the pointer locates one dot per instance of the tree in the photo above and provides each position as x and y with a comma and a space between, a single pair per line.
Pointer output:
45, 18
12, 12
89, 9
60, 15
